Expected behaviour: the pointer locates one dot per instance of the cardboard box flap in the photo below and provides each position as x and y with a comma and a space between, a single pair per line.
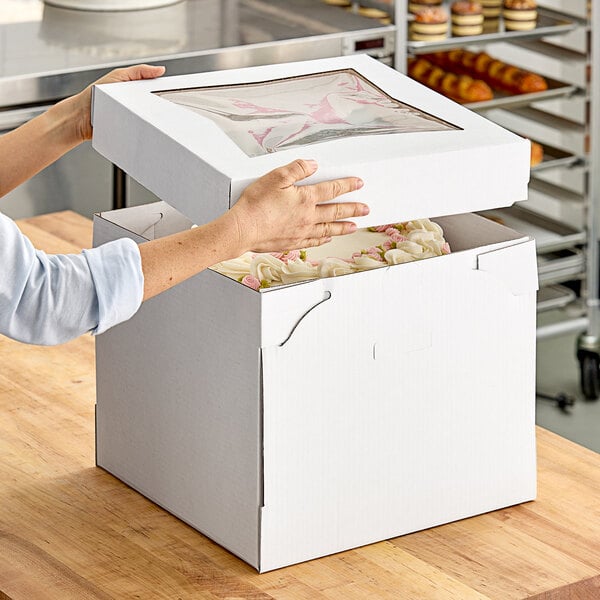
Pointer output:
518, 281
198, 140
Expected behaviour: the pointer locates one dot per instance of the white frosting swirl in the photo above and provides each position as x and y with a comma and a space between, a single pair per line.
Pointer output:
406, 242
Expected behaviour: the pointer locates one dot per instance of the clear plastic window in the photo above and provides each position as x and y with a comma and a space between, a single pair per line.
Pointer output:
290, 113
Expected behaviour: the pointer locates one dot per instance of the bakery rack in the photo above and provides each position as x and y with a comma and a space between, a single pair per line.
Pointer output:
562, 212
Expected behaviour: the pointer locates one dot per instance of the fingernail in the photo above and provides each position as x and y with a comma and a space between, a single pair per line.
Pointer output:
359, 183
311, 163
352, 227
365, 209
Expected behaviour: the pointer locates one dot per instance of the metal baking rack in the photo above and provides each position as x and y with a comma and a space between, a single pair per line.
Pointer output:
561, 212
556, 89
548, 24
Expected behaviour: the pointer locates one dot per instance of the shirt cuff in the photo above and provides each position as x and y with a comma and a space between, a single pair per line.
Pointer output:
116, 269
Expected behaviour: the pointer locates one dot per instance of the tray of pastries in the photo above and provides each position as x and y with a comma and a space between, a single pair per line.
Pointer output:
478, 21
482, 81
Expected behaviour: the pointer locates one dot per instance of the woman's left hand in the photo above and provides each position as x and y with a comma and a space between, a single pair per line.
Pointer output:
80, 104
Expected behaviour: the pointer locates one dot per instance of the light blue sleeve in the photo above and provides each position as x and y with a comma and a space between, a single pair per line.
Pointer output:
50, 299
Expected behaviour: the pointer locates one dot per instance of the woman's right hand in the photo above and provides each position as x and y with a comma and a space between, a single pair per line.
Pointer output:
275, 214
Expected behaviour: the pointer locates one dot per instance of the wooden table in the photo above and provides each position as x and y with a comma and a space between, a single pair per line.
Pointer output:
69, 530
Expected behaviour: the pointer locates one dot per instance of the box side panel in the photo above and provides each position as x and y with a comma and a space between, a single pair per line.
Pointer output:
160, 163
403, 402
178, 406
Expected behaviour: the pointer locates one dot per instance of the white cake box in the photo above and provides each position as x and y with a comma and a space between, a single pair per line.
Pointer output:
301, 420
188, 160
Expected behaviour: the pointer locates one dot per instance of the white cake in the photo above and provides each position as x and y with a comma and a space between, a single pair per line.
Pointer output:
362, 250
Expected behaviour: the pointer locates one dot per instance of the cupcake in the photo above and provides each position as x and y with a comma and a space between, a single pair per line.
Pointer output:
467, 18
519, 15
414, 6
430, 24
491, 8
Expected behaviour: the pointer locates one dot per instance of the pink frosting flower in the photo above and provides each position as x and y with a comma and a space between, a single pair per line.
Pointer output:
446, 248
397, 237
288, 255
251, 281
381, 228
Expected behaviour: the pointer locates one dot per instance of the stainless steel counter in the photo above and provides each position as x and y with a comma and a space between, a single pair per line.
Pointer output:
48, 53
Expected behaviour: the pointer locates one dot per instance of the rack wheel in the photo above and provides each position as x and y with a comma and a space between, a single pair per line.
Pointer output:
589, 363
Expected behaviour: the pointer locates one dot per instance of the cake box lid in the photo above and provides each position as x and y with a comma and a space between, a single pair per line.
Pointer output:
198, 140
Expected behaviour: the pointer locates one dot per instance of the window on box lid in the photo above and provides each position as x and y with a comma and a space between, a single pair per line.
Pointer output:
288, 113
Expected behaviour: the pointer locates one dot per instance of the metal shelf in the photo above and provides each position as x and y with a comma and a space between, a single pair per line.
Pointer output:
556, 89
564, 265
555, 158
549, 23
549, 235
554, 296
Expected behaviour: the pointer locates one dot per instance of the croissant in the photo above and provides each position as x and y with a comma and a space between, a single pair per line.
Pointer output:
460, 88
498, 74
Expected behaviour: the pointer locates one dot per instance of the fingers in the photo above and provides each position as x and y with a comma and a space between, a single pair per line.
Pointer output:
292, 173
340, 210
324, 232
327, 190
145, 72
133, 73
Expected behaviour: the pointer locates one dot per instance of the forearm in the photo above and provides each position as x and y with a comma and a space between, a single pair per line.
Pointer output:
33, 146
173, 259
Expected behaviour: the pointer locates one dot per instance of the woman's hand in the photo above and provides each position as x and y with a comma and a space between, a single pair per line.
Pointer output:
272, 214
37, 144
79, 106
275, 214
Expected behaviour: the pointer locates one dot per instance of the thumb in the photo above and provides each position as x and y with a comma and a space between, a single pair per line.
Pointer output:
145, 72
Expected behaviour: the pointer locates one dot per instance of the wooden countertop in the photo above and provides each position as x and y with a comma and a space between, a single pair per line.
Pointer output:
69, 530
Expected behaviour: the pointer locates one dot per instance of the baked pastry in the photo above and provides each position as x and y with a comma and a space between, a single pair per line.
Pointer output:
342, 3
430, 24
537, 154
491, 8
497, 74
372, 13
460, 88
467, 18
520, 15
415, 6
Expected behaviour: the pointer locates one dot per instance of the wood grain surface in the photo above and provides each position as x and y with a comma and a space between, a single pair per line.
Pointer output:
69, 530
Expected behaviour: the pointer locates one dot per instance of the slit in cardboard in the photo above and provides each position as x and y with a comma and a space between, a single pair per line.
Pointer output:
326, 296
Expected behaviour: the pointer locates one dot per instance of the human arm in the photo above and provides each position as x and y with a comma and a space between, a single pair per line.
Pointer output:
49, 299
273, 214
30, 148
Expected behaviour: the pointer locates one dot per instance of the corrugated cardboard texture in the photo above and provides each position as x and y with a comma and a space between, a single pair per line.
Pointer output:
351, 409
403, 402
179, 404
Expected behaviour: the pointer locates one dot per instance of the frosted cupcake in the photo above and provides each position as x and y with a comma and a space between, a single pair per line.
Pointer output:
430, 24
467, 18
414, 6
520, 15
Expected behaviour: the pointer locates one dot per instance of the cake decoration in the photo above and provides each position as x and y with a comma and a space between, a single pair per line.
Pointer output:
392, 244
